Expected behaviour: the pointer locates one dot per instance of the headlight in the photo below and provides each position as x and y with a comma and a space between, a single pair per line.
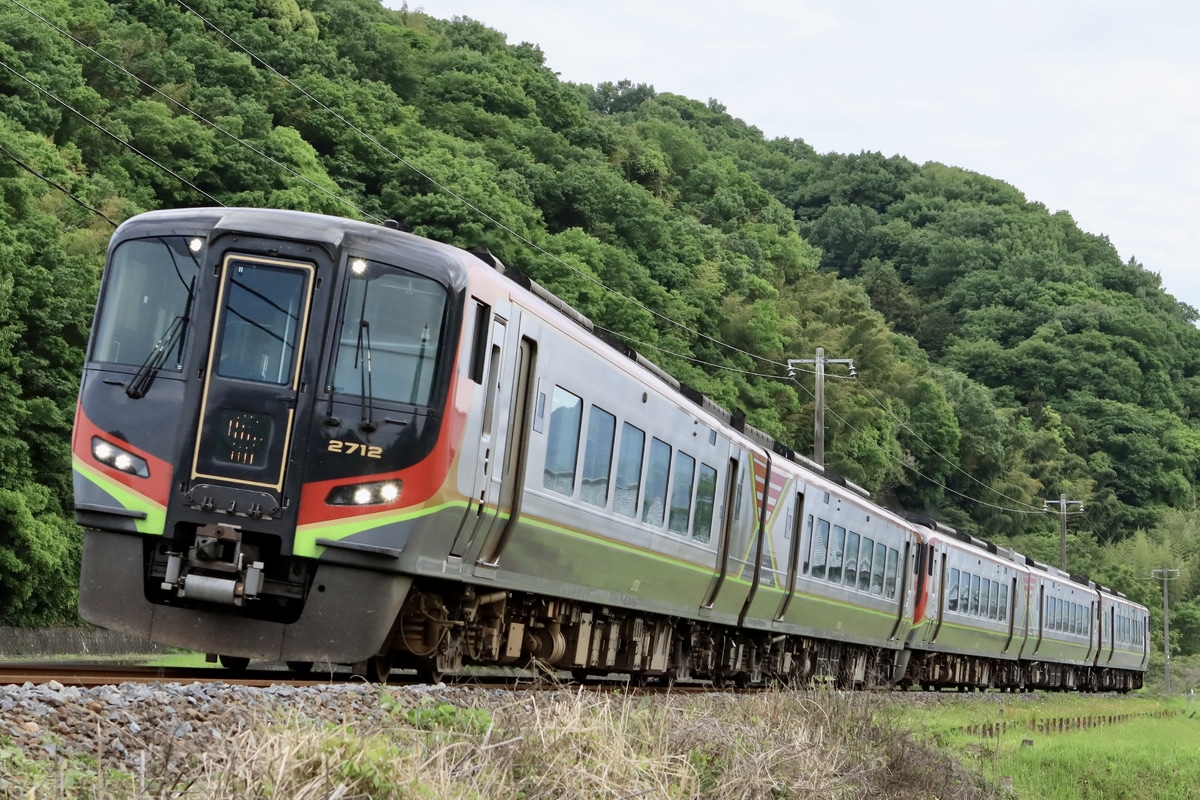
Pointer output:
108, 453
364, 494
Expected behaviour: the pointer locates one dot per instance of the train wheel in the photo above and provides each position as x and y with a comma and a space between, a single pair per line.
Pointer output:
300, 667
428, 672
375, 669
234, 663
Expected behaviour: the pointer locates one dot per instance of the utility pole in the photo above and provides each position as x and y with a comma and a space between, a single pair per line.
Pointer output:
1062, 502
1167, 574
819, 414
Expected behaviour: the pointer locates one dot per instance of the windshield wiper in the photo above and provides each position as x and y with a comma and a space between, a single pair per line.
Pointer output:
362, 360
172, 337
158, 355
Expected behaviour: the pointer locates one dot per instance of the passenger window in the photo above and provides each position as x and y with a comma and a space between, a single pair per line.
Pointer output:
654, 502
994, 600
975, 595
952, 591
864, 564
834, 573
706, 493
562, 443
851, 560
877, 568
964, 593
807, 554
1003, 602
629, 471
681, 493
985, 591
597, 456
820, 549
889, 573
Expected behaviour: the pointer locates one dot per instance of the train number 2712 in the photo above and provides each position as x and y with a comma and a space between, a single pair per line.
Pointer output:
355, 449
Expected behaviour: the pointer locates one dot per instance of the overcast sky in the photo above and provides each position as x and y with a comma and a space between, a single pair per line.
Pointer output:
1090, 107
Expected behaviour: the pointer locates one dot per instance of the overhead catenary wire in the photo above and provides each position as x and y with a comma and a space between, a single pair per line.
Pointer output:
194, 113
458, 197
1030, 510
57, 185
107, 132
449, 192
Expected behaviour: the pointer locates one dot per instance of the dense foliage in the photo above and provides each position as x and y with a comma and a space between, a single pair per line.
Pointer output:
1004, 355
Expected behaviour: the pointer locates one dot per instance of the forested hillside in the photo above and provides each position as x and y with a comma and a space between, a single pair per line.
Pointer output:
1004, 356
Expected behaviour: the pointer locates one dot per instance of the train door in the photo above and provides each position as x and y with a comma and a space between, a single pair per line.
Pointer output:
506, 471
758, 544
911, 567
1041, 618
496, 401
730, 514
1091, 636
796, 527
252, 384
936, 605
1012, 616
1112, 632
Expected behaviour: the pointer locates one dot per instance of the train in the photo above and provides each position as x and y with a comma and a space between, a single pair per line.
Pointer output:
320, 441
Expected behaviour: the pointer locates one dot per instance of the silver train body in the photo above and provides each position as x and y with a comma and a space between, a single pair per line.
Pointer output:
526, 492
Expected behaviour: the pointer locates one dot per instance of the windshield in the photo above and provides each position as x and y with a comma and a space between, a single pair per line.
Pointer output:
147, 290
389, 338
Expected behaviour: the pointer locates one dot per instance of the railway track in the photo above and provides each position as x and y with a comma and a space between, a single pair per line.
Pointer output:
86, 675
97, 674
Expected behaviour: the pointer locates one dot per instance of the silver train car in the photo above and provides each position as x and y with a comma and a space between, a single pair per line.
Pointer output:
307, 439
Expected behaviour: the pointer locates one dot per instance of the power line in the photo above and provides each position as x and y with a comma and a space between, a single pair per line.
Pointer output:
107, 132
449, 192
474, 208
194, 113
58, 186
920, 474
444, 189
954, 464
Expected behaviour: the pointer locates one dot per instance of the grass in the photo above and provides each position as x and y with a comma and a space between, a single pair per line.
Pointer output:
510, 746
1147, 759
571, 744
181, 659
1151, 755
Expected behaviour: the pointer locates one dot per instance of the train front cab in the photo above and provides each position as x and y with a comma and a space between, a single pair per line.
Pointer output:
223, 441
